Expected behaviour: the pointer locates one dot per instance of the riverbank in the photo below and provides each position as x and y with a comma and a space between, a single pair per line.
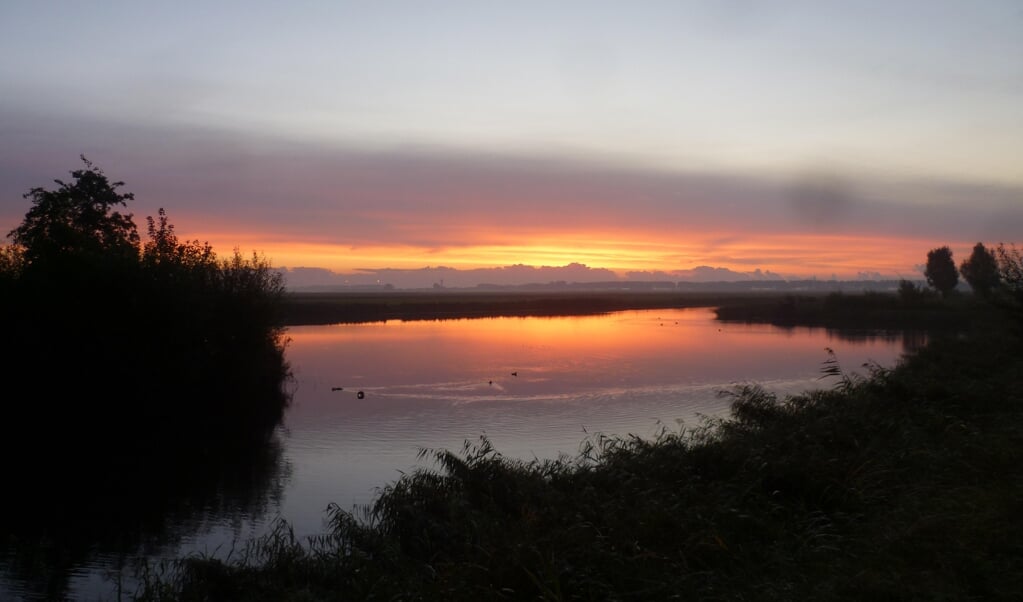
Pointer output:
870, 310
904, 484
300, 309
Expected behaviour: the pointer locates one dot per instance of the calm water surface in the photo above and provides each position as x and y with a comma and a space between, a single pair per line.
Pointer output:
536, 387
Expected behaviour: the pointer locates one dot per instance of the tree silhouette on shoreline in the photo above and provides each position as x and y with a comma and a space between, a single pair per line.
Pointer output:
980, 271
941, 270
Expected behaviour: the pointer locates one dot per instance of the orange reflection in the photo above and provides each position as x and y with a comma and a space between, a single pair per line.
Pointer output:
528, 358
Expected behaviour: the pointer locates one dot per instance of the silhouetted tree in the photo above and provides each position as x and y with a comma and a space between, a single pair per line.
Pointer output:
941, 270
170, 263
1010, 269
981, 270
77, 225
84, 299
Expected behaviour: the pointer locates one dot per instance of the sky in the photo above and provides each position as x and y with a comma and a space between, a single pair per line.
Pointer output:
632, 139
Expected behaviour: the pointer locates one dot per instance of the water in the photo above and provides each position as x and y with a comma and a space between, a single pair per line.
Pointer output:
536, 387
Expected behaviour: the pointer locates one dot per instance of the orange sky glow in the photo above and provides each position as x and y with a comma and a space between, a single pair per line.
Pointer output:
681, 140
790, 255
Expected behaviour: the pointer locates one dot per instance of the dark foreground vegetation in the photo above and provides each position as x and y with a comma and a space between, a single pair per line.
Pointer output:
889, 484
141, 380
107, 330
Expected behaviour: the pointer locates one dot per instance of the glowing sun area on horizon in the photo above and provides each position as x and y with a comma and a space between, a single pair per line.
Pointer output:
788, 255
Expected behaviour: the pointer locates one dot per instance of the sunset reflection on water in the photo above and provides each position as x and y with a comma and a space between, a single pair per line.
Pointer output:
537, 387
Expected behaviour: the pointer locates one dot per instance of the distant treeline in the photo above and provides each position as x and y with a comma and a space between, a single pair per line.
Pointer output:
336, 308
995, 282
715, 287
856, 311
806, 285
893, 304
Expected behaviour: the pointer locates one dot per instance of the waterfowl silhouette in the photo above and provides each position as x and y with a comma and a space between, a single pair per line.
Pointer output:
360, 394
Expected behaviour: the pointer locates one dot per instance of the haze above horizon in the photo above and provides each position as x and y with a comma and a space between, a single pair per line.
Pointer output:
800, 139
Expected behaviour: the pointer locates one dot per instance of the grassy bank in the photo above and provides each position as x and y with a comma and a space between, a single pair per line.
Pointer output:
866, 310
900, 484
